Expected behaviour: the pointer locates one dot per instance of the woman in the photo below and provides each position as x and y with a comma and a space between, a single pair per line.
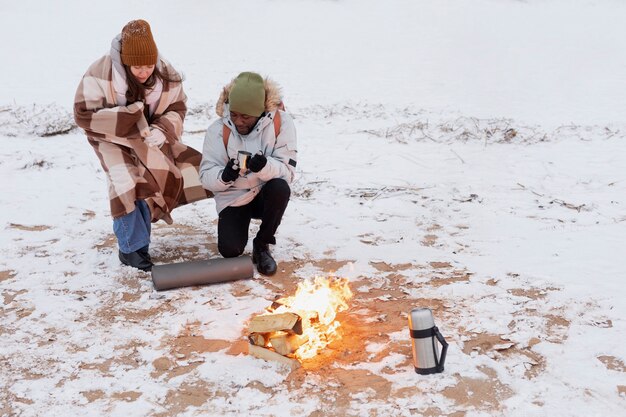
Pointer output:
131, 105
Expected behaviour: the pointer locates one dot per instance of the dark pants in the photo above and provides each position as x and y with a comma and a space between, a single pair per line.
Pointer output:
233, 224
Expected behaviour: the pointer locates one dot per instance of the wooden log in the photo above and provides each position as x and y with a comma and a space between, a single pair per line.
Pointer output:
276, 304
286, 343
275, 322
279, 302
270, 355
259, 339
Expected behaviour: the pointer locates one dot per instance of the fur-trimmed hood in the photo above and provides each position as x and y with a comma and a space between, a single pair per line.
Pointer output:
273, 96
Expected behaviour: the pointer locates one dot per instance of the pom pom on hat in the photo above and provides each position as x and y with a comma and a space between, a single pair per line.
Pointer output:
247, 94
138, 47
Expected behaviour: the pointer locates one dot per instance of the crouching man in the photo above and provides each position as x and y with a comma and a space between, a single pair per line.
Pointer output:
248, 162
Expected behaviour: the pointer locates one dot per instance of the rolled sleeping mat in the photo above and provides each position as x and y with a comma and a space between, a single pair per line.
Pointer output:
211, 271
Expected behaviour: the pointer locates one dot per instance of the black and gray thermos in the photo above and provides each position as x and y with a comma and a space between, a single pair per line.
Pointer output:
211, 271
423, 331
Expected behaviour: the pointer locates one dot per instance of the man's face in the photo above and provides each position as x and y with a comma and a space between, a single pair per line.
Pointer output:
243, 122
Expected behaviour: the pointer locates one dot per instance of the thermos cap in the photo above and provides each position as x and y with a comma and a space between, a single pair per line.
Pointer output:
421, 319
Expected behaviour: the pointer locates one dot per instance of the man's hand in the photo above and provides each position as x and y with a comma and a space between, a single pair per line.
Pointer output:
257, 162
231, 171
156, 138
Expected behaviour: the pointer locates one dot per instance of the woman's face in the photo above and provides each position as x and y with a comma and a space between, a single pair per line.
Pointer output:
142, 73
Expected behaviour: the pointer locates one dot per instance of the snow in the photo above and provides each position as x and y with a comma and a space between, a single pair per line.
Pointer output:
484, 135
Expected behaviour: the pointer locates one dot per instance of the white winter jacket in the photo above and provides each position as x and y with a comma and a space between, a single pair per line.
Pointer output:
281, 151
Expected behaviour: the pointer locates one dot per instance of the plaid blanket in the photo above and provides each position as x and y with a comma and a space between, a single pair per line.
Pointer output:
165, 177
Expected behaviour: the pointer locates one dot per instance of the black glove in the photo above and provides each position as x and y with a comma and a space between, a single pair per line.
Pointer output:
257, 162
230, 173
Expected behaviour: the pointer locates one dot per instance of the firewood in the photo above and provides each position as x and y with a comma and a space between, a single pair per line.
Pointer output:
275, 322
279, 302
270, 355
286, 343
259, 339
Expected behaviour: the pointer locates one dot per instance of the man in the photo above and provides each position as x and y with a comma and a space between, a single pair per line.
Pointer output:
253, 183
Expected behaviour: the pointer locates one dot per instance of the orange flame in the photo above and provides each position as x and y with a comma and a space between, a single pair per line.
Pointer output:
317, 302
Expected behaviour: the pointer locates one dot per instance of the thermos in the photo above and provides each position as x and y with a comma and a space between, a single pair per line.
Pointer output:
423, 332
211, 271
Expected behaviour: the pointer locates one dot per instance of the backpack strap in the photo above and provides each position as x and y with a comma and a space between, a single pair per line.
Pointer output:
277, 122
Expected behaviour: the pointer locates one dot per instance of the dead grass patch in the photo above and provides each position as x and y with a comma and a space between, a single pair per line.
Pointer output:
612, 363
34, 228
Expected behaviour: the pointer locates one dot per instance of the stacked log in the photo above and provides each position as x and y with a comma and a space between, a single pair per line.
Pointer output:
276, 337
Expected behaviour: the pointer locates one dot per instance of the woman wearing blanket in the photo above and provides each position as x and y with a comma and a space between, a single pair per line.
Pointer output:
131, 105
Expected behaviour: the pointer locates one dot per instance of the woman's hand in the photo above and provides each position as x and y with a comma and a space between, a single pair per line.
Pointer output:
156, 138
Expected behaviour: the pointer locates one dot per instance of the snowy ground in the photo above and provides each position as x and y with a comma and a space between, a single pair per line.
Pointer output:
513, 243
427, 191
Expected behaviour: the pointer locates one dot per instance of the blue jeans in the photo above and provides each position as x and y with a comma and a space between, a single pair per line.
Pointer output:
133, 229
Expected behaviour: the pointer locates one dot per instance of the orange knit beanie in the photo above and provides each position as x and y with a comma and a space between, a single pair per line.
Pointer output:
138, 47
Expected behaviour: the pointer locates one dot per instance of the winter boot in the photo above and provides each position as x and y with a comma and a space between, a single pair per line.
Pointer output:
144, 252
139, 259
262, 257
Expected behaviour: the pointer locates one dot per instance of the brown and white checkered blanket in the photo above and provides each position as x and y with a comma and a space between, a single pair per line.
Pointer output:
165, 177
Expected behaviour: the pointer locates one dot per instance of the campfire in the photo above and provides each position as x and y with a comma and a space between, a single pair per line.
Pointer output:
298, 327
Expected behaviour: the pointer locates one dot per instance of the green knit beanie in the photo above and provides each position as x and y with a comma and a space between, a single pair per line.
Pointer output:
247, 95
